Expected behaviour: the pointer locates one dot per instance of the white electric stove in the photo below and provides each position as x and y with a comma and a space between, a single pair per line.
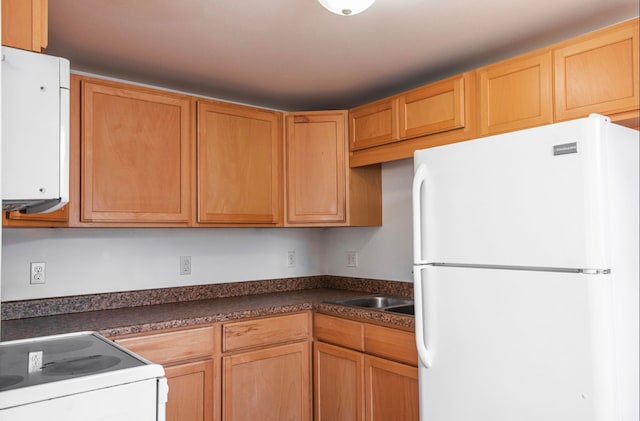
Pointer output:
78, 376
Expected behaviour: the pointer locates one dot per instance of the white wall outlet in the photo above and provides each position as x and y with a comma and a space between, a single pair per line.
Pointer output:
38, 273
352, 259
185, 265
291, 259
35, 361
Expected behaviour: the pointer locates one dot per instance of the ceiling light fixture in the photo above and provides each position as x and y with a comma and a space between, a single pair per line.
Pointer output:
346, 7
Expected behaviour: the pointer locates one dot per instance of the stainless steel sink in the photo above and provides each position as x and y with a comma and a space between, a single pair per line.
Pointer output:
402, 305
408, 309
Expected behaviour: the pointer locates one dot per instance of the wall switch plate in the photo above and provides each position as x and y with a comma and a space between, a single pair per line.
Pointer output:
352, 259
185, 265
38, 273
291, 259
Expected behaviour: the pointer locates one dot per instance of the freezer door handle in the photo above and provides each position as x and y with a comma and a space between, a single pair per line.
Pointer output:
418, 180
423, 353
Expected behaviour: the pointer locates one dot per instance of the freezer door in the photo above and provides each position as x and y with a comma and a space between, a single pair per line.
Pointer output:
537, 197
507, 346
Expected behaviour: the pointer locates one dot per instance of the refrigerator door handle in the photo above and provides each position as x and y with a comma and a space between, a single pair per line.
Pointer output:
418, 180
423, 353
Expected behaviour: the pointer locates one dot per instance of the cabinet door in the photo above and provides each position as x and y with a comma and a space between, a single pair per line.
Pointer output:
516, 93
136, 154
391, 390
270, 384
25, 24
598, 74
434, 108
190, 391
316, 168
239, 164
373, 124
338, 383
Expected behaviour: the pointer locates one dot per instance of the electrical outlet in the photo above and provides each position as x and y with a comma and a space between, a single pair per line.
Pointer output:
352, 259
185, 265
38, 273
291, 259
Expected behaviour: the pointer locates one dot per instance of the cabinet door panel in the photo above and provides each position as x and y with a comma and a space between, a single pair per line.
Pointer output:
190, 391
239, 153
135, 155
599, 74
316, 168
435, 108
270, 384
391, 391
338, 383
373, 124
516, 94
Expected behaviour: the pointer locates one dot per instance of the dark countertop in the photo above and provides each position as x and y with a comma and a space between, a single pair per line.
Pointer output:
146, 318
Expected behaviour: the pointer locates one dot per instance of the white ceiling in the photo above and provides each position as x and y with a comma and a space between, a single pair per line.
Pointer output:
294, 55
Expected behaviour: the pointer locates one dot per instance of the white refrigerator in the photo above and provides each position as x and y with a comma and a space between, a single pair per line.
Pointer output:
526, 275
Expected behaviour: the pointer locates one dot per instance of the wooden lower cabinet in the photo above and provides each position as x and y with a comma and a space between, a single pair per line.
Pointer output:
391, 390
269, 384
190, 364
338, 379
375, 380
190, 391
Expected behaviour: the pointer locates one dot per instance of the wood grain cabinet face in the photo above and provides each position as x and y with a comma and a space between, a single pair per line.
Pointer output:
58, 218
270, 384
391, 390
136, 154
434, 108
338, 383
190, 391
25, 24
239, 164
598, 73
373, 124
516, 93
316, 168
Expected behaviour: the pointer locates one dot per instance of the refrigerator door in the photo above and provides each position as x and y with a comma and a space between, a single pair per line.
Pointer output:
533, 198
514, 345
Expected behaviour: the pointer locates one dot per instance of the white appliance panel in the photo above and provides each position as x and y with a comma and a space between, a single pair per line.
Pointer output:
35, 130
107, 404
514, 345
508, 200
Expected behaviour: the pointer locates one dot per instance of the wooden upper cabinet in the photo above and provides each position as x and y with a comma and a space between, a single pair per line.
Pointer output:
316, 173
373, 124
598, 73
516, 93
25, 24
239, 164
136, 155
434, 108
432, 115
320, 188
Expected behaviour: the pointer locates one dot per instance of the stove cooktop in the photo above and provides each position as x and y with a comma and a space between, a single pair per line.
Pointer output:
49, 359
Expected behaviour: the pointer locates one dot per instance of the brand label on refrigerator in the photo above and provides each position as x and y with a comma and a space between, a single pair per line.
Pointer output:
565, 148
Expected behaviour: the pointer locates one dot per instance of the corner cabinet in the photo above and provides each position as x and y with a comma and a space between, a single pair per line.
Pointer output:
239, 164
516, 93
598, 73
321, 190
25, 24
136, 155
